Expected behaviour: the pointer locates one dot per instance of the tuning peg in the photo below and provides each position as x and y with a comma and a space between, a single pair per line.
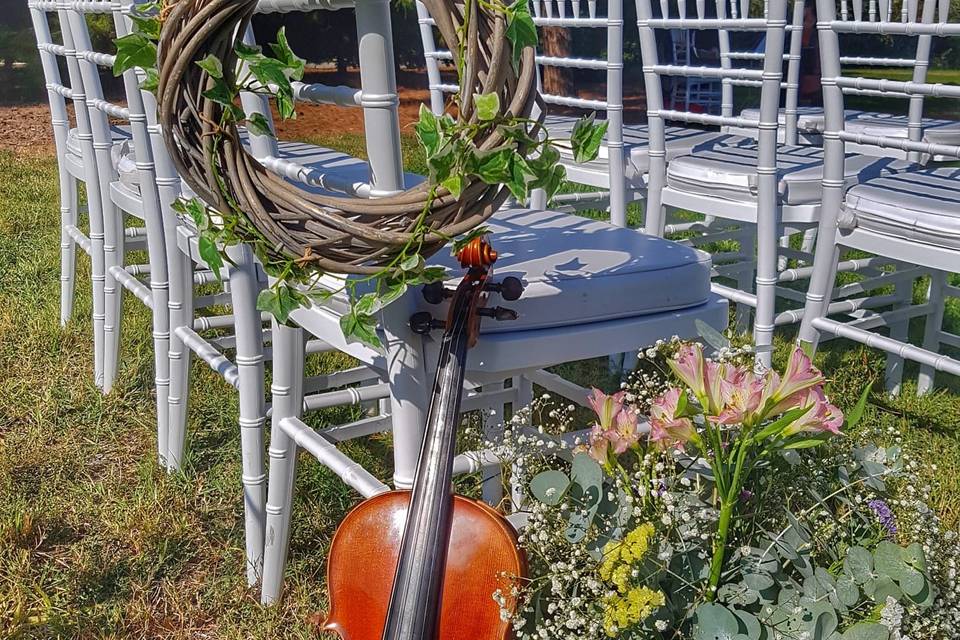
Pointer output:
510, 289
423, 323
498, 313
435, 293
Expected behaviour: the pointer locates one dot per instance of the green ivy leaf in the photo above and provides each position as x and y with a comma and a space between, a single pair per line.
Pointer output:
148, 26
453, 184
493, 167
428, 276
258, 125
294, 64
488, 106
196, 210
521, 30
428, 131
152, 82
521, 175
587, 137
247, 52
412, 263
134, 50
210, 253
361, 328
273, 73
221, 93
212, 65
281, 301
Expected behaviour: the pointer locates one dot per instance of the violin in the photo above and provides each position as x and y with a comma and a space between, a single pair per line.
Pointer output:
425, 564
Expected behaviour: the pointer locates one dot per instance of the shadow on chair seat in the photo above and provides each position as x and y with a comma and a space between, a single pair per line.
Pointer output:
579, 271
730, 173
922, 206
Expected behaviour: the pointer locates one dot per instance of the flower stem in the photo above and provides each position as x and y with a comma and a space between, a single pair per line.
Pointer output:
728, 502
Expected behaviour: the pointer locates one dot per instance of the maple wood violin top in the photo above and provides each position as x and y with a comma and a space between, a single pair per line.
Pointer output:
483, 551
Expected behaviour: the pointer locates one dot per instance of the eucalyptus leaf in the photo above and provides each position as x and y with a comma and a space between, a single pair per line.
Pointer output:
858, 564
550, 487
866, 631
712, 621
711, 336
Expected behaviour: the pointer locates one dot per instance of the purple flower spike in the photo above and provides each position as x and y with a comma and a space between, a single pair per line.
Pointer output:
887, 520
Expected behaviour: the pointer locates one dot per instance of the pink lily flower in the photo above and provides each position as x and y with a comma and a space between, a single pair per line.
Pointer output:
821, 415
690, 367
626, 433
743, 396
666, 428
607, 407
799, 377
599, 447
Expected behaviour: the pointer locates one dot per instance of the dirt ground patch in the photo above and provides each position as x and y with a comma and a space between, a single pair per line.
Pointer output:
26, 129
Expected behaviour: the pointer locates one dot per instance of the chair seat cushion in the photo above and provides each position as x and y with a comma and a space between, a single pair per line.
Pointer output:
809, 119
316, 160
636, 140
122, 142
578, 270
920, 205
730, 172
873, 123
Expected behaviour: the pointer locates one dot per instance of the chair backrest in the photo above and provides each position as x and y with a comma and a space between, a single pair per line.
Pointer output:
790, 84
854, 25
926, 23
377, 97
577, 15
655, 15
52, 54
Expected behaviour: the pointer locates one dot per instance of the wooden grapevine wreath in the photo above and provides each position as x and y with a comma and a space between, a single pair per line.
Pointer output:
344, 235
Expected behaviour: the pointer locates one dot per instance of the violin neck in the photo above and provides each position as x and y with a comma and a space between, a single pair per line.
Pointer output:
414, 611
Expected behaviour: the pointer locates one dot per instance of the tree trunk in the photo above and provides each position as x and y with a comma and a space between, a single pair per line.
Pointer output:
557, 80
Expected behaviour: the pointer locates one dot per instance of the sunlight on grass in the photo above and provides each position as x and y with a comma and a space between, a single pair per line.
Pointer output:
97, 542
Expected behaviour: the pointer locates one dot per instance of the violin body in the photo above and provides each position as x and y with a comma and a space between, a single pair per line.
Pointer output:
481, 556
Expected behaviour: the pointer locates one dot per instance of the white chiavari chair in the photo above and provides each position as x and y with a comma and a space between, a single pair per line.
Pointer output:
77, 155
772, 188
912, 217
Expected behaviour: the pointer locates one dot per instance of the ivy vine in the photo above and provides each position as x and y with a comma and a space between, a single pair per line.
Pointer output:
451, 151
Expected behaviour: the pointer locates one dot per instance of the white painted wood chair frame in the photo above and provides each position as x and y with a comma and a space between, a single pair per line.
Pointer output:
73, 169
836, 232
618, 189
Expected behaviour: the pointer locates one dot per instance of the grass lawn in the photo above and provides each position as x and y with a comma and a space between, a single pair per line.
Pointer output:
97, 542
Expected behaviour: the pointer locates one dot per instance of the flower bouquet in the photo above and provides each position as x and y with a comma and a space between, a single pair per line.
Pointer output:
711, 501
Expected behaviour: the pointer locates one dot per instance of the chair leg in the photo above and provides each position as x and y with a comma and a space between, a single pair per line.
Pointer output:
249, 360
410, 385
492, 485
900, 331
932, 328
97, 270
113, 253
160, 288
748, 244
69, 207
287, 389
524, 399
767, 278
181, 315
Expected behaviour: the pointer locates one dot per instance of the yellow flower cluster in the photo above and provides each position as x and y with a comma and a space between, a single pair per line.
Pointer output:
631, 604
623, 611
